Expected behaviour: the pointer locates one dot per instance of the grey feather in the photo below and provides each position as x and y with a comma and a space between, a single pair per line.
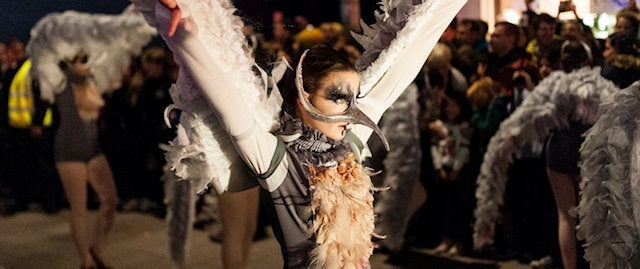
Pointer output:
608, 208
389, 20
397, 26
180, 202
401, 168
557, 100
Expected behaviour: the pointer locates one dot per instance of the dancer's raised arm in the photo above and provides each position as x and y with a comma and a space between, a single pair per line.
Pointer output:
394, 53
220, 85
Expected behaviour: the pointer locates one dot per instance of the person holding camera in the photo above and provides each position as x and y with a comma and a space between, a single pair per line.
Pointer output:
507, 63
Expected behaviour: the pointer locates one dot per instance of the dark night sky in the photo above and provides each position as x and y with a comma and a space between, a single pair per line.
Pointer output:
19, 16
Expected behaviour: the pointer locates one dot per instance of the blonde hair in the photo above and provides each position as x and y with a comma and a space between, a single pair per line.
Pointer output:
481, 92
309, 37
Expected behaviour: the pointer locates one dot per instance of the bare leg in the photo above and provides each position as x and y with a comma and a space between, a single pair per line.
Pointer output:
564, 192
101, 180
239, 213
74, 179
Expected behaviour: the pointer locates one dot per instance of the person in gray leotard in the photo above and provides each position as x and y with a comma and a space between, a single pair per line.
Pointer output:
80, 160
75, 139
76, 58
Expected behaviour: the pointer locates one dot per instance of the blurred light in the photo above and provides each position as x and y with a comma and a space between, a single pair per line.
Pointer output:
511, 15
589, 20
603, 21
604, 25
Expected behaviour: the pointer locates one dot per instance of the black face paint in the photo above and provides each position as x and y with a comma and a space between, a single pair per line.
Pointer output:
351, 115
339, 94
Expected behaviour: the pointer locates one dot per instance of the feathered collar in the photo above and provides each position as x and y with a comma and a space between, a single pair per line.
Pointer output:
342, 201
314, 148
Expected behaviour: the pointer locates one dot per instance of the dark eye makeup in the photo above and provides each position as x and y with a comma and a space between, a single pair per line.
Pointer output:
339, 93
81, 59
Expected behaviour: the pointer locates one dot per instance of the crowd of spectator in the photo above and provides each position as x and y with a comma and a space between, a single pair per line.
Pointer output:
498, 73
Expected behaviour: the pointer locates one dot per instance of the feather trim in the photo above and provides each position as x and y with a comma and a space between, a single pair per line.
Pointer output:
343, 223
111, 39
553, 104
391, 36
221, 30
202, 151
180, 203
609, 208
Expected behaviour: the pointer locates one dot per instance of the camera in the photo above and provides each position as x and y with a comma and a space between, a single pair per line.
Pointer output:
565, 5
519, 81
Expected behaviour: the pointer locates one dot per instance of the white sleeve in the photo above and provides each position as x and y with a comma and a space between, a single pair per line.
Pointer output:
410, 48
254, 145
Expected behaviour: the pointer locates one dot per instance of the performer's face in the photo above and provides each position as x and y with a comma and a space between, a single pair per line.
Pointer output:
78, 65
624, 25
332, 98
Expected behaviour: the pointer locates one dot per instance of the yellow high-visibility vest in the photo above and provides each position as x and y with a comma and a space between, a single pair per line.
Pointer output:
21, 106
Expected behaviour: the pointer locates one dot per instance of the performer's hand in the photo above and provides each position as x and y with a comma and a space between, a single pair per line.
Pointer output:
176, 14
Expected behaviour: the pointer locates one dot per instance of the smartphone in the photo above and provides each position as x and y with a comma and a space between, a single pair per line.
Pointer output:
565, 5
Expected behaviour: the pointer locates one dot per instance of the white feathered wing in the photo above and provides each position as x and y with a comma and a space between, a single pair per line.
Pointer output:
111, 41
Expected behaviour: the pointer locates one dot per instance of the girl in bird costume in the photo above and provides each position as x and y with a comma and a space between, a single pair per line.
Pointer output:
307, 156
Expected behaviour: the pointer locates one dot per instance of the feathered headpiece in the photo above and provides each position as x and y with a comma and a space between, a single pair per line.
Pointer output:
110, 40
